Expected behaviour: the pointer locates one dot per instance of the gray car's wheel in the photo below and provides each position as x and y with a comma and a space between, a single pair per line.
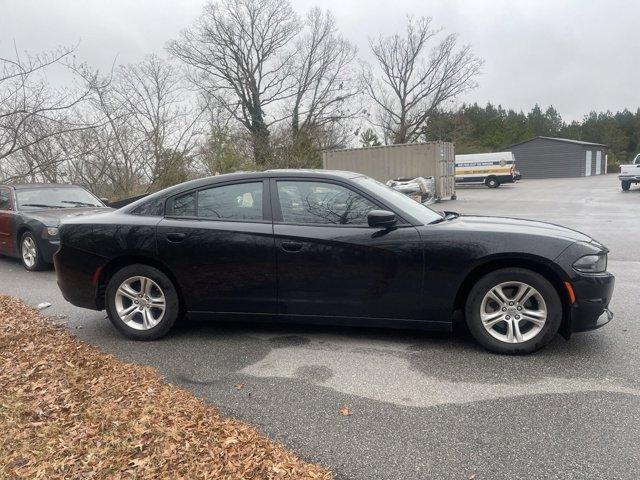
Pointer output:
142, 302
514, 311
626, 186
30, 253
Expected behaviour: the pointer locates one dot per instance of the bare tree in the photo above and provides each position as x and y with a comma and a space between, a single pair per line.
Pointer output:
164, 115
30, 110
325, 75
240, 48
149, 125
227, 147
412, 80
49, 158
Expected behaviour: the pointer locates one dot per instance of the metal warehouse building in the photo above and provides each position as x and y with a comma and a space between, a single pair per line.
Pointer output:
547, 157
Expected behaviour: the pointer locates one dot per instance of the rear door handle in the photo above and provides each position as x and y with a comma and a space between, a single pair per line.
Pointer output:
176, 237
291, 246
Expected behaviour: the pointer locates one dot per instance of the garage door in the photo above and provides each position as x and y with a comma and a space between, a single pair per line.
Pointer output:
587, 164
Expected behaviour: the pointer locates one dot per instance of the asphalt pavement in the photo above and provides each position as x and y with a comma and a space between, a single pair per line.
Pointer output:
424, 405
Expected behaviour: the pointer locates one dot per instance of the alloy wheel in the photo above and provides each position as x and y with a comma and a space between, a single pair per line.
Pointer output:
29, 252
140, 303
513, 312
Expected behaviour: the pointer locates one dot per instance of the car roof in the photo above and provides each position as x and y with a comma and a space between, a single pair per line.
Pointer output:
291, 172
284, 172
278, 173
25, 186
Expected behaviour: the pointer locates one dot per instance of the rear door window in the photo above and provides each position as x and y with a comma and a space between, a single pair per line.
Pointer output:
185, 205
241, 201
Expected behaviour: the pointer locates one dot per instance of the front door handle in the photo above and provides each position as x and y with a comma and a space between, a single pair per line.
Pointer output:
176, 237
291, 246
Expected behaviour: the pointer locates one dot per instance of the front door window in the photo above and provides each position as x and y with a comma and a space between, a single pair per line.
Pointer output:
325, 203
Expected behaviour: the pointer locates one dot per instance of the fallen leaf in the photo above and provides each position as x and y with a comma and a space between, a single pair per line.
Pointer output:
346, 411
70, 410
239, 386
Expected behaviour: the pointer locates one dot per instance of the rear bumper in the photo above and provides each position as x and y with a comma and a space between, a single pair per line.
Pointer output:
629, 178
77, 274
591, 309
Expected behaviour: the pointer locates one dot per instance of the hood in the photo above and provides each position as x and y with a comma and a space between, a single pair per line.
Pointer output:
519, 226
53, 216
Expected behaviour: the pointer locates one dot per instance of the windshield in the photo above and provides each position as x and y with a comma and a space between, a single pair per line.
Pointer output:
399, 200
66, 197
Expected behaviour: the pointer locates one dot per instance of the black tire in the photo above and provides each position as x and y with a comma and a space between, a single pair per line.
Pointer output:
172, 302
38, 262
626, 186
535, 280
492, 182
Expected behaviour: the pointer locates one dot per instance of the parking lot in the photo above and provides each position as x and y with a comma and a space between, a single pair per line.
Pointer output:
423, 405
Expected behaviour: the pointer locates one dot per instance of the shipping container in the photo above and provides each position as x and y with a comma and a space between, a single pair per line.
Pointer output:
431, 159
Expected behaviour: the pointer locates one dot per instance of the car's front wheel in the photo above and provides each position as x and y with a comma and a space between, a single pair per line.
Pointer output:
142, 302
30, 253
492, 182
513, 311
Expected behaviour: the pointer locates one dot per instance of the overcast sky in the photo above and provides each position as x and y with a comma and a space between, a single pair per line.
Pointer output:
577, 55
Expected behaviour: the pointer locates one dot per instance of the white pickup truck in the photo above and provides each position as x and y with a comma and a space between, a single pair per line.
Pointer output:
630, 173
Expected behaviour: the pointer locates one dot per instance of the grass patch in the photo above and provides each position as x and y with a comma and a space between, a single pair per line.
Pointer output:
68, 410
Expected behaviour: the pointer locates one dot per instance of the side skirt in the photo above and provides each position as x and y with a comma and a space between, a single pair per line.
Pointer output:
320, 320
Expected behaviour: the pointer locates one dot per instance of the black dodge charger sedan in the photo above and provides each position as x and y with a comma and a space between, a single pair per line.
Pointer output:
29, 218
338, 247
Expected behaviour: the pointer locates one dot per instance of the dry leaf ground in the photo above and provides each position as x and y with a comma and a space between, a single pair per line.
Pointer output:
68, 410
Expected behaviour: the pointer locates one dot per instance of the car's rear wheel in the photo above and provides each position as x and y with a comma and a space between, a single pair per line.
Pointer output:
626, 186
492, 182
30, 253
513, 311
142, 302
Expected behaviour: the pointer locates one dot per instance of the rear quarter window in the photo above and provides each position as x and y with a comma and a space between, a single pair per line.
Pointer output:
150, 208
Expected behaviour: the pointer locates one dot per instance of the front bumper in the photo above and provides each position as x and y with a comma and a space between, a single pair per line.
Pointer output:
48, 248
591, 308
602, 320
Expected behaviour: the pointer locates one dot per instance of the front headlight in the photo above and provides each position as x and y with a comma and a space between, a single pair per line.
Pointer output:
591, 264
52, 231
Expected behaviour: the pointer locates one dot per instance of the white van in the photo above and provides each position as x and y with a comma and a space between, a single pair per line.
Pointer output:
491, 169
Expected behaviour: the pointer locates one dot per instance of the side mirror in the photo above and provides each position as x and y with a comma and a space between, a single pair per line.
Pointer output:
104, 200
381, 219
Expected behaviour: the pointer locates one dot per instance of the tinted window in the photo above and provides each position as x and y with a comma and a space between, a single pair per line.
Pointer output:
399, 200
185, 206
323, 203
4, 199
151, 208
241, 201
